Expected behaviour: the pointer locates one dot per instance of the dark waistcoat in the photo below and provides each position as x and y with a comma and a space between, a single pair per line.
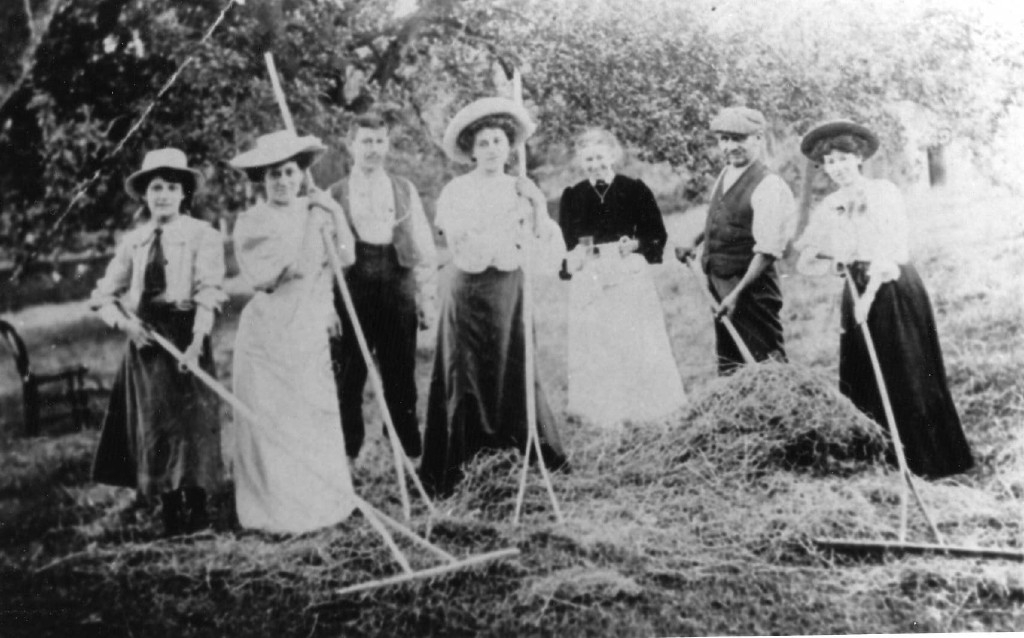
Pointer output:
728, 234
408, 253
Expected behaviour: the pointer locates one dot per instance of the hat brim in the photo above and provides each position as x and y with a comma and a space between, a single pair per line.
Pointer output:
131, 184
525, 126
838, 127
263, 157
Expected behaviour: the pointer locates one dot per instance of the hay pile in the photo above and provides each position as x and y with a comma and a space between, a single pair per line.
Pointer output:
763, 419
758, 466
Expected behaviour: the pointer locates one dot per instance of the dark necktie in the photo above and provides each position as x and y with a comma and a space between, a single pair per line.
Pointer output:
601, 186
154, 280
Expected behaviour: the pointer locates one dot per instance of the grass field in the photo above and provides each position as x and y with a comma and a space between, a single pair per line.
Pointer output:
692, 525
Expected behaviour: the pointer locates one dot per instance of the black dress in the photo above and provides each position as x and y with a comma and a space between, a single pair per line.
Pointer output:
627, 208
903, 330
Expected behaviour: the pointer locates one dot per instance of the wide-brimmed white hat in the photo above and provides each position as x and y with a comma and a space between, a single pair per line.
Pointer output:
170, 159
274, 148
483, 107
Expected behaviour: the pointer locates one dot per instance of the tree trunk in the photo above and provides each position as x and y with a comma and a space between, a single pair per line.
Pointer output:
806, 196
936, 165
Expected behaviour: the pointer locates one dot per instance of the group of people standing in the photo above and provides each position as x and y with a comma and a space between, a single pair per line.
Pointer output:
300, 368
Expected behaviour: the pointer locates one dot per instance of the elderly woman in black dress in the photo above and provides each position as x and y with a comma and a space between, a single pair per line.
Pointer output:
620, 359
863, 227
161, 433
478, 390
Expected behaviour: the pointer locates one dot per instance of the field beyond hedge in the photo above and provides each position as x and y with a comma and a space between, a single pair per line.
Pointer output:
700, 524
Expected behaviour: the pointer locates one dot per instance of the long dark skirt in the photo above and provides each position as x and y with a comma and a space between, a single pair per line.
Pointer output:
902, 328
161, 431
478, 390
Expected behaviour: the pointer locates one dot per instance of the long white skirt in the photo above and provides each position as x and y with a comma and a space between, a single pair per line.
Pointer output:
290, 469
620, 360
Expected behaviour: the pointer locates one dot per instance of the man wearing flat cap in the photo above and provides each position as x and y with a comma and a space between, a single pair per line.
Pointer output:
750, 220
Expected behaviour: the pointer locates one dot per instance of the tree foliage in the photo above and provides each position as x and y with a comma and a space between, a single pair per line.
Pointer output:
653, 71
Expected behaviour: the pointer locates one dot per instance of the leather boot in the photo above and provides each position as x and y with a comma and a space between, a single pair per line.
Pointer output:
196, 516
171, 510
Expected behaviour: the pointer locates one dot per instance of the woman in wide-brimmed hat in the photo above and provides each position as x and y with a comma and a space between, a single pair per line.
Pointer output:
161, 431
863, 228
620, 360
478, 389
290, 470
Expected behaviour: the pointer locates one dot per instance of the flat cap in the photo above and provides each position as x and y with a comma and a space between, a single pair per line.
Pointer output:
740, 120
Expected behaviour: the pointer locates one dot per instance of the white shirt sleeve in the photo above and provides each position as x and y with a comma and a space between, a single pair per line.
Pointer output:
115, 282
774, 216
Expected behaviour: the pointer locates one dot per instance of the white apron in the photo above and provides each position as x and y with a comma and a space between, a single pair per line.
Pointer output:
620, 361
290, 469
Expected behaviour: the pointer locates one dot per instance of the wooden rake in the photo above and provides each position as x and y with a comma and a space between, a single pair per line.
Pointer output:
402, 462
907, 483
377, 519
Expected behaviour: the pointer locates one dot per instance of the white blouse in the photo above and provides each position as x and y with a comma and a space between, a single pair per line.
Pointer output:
194, 253
863, 223
484, 222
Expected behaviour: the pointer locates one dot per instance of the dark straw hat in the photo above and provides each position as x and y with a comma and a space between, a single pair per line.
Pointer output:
834, 128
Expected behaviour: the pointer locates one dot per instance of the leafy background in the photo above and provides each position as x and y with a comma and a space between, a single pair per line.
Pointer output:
653, 71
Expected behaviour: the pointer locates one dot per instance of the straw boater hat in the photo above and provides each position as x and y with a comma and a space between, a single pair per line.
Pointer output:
274, 148
170, 159
833, 128
482, 108
739, 120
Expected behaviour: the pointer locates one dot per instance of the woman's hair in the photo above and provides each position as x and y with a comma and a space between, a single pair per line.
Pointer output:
845, 143
599, 136
503, 121
304, 160
186, 180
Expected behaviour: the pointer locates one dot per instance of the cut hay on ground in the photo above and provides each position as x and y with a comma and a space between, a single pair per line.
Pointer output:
759, 465
741, 482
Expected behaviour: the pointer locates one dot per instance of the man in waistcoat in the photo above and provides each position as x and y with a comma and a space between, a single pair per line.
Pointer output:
393, 285
750, 220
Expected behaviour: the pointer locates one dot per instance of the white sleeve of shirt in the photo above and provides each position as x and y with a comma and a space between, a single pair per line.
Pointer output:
115, 282
774, 216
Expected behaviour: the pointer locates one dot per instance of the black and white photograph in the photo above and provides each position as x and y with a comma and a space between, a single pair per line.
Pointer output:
501, 318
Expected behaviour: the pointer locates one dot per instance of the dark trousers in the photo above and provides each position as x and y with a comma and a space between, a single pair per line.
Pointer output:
756, 319
384, 295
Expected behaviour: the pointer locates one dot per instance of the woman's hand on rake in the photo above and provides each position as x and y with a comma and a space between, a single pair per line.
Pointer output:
191, 355
136, 332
